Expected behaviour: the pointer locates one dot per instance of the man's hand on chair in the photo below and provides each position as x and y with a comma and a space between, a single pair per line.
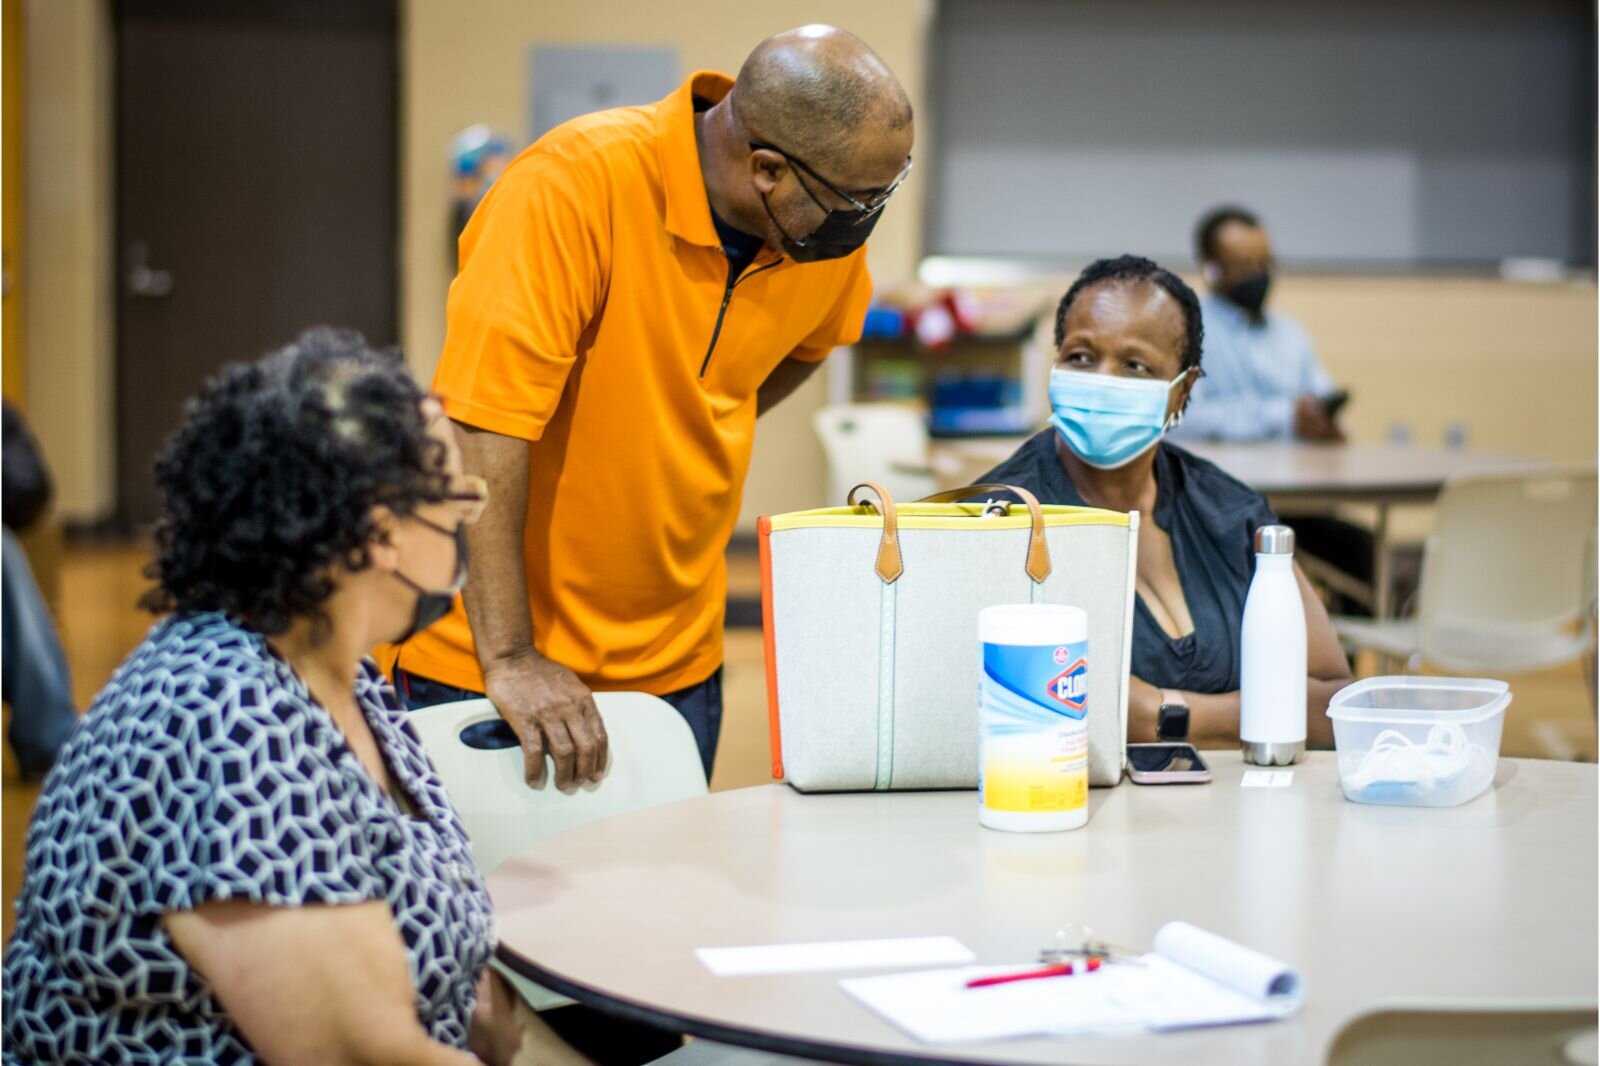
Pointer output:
552, 711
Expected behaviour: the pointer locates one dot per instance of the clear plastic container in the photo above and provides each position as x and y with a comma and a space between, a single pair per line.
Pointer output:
1418, 741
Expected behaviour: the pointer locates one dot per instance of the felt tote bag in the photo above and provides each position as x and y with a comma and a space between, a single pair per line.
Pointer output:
870, 615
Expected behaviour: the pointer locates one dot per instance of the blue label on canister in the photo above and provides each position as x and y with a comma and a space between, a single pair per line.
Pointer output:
1050, 679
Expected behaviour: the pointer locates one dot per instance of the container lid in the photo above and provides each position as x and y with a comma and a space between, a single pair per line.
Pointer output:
1032, 624
1420, 700
1274, 540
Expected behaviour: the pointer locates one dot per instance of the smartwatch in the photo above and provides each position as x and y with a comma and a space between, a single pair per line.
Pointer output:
1172, 718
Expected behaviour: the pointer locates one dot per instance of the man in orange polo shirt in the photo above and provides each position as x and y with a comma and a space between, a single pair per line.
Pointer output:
634, 290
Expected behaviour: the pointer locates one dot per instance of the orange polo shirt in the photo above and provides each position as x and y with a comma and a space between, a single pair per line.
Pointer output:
593, 316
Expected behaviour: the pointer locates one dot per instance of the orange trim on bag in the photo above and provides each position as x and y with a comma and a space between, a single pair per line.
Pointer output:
770, 644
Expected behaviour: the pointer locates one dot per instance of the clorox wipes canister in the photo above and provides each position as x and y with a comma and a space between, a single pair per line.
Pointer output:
1033, 703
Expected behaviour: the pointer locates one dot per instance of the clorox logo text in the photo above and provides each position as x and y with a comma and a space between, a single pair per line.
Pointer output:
1071, 686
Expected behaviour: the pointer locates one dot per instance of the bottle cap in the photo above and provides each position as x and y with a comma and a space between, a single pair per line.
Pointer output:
1274, 540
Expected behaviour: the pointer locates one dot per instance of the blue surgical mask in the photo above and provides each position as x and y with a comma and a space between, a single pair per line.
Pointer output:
1107, 420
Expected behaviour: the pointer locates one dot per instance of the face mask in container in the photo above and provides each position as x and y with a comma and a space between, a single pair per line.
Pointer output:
1418, 741
1033, 756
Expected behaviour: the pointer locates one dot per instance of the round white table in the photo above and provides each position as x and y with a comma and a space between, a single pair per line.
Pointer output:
1492, 901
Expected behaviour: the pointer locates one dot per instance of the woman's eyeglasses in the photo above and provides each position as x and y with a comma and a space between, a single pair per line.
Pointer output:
470, 495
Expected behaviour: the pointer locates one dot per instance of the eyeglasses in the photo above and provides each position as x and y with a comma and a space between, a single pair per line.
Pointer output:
1077, 941
864, 210
471, 495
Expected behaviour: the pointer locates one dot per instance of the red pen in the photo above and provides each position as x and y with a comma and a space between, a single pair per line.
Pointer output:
1060, 969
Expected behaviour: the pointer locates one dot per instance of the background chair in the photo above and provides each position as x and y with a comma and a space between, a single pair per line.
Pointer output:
882, 442
1469, 1035
1508, 577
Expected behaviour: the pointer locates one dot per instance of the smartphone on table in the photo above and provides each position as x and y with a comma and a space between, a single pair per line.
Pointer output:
1334, 403
1166, 764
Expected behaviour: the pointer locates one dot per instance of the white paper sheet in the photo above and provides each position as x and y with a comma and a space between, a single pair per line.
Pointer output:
936, 1007
1231, 965
1267, 779
834, 955
1195, 978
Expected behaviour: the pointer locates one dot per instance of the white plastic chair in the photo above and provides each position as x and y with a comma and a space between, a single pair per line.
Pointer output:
1508, 578
1462, 1034
652, 759
882, 442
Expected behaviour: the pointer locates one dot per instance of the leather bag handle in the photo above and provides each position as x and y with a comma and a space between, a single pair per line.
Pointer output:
890, 564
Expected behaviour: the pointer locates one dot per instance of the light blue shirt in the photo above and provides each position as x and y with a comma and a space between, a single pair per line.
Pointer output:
1254, 372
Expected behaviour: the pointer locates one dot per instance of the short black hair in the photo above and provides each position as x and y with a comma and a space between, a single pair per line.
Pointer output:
1128, 269
1205, 234
272, 477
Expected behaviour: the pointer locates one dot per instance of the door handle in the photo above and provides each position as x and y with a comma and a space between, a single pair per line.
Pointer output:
144, 280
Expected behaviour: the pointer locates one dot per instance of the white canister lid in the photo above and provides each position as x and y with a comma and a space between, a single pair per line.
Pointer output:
1032, 624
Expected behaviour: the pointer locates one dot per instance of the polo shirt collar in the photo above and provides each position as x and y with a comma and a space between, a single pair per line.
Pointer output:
688, 208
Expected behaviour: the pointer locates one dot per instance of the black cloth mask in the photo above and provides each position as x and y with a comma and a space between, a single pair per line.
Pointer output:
839, 234
432, 606
1251, 293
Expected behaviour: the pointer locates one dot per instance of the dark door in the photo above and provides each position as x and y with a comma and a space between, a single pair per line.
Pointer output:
255, 178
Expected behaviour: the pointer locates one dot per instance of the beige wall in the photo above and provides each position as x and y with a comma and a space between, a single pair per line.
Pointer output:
67, 287
467, 61
1513, 363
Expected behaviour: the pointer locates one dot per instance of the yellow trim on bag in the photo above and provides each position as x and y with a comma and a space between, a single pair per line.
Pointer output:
960, 516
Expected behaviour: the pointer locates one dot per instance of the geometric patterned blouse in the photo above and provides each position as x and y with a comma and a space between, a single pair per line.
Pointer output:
205, 771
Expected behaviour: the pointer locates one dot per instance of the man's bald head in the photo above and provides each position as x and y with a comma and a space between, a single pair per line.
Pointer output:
819, 92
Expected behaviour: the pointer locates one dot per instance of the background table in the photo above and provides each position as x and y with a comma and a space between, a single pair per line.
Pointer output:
1493, 900
1297, 477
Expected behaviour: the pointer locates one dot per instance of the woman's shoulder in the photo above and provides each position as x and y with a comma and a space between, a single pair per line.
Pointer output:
191, 657
1035, 467
196, 711
1215, 499
199, 683
1202, 476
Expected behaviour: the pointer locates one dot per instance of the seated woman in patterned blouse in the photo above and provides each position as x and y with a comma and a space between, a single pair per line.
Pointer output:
243, 854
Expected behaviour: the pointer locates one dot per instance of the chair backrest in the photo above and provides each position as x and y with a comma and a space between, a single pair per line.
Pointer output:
1508, 558
653, 759
882, 442
1469, 1035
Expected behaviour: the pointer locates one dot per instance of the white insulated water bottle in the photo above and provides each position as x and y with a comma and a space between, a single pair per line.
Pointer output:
1272, 672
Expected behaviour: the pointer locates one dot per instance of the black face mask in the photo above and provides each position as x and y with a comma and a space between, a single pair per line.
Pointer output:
1251, 293
432, 606
840, 233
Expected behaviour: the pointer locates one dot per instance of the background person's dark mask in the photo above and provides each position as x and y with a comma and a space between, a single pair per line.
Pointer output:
1250, 293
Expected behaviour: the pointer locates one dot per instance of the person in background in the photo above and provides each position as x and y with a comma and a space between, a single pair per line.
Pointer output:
1128, 342
33, 668
1262, 380
634, 290
244, 854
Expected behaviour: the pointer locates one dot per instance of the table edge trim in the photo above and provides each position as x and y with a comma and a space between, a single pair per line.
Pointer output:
757, 1040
